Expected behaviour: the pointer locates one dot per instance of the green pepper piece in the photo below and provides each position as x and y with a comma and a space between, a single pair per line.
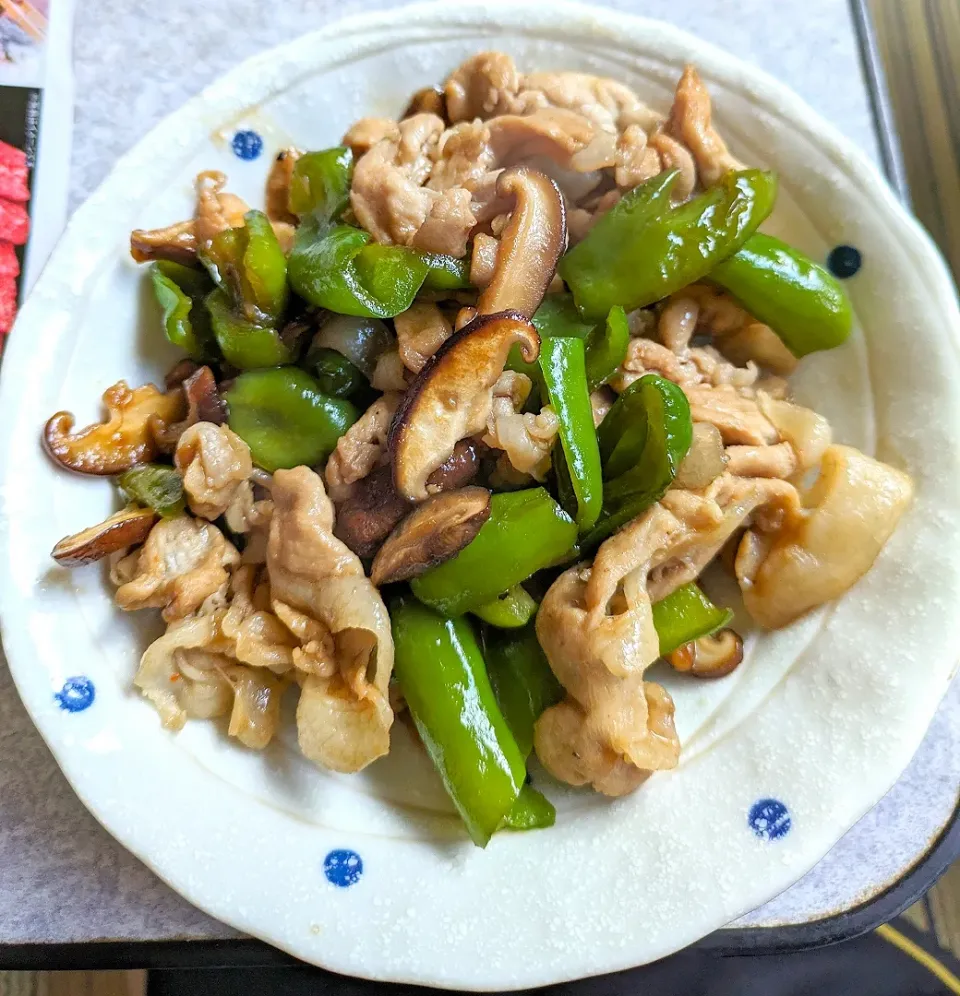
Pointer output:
335, 374
243, 343
527, 530
263, 269
590, 267
320, 182
522, 680
249, 265
531, 811
441, 672
391, 274
669, 432
556, 316
643, 439
223, 258
285, 419
606, 347
446, 273
563, 368
511, 610
155, 486
192, 280
338, 268
180, 290
799, 299
622, 435
605, 343
640, 251
685, 615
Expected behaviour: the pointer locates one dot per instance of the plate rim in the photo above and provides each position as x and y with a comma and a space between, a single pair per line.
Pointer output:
785, 101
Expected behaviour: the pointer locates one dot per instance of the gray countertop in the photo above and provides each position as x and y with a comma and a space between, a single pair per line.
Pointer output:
62, 877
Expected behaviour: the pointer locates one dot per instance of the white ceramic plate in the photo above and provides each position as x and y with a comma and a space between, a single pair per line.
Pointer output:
372, 874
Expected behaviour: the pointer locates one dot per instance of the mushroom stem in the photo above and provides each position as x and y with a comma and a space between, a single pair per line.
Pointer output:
531, 244
713, 656
123, 529
126, 438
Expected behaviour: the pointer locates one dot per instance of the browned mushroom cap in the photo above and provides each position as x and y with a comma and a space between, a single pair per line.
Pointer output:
179, 372
711, 656
458, 470
452, 395
369, 515
124, 440
530, 246
175, 242
433, 532
278, 185
200, 392
203, 403
122, 529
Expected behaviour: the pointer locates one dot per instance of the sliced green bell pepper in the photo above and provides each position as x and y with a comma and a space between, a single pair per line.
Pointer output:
622, 435
335, 374
339, 268
606, 347
180, 290
446, 273
243, 343
223, 258
599, 269
527, 531
563, 369
799, 299
263, 269
531, 811
605, 342
522, 680
320, 182
685, 615
558, 316
642, 250
285, 419
642, 439
249, 265
511, 610
441, 672
155, 486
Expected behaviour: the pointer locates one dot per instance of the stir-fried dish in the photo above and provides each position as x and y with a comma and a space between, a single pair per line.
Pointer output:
465, 412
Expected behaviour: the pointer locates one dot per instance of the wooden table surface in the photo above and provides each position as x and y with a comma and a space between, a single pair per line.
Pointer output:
919, 45
918, 42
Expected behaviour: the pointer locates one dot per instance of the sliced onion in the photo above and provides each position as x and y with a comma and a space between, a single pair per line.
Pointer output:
360, 340
705, 460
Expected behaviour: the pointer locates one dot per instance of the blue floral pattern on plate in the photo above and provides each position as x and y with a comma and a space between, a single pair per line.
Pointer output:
77, 694
343, 868
247, 144
769, 819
